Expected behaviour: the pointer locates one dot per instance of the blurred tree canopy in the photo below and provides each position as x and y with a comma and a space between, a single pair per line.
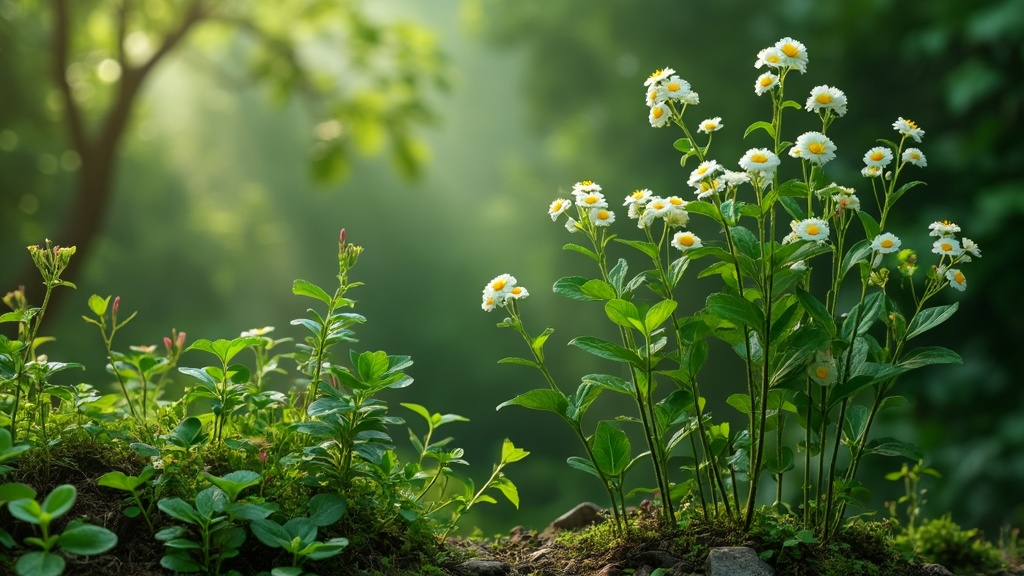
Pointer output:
79, 67
957, 68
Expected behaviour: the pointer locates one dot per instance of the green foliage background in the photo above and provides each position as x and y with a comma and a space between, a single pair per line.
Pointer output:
215, 211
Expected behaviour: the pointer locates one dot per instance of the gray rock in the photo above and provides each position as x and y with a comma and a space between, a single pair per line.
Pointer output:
609, 570
581, 516
657, 559
736, 561
936, 570
484, 568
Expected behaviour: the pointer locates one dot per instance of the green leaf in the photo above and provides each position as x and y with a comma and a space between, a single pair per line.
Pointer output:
517, 360
859, 252
543, 399
233, 483
326, 509
598, 290
816, 310
583, 464
792, 104
60, 500
623, 313
930, 318
684, 145
658, 314
98, 305
180, 562
507, 488
893, 447
178, 509
735, 309
304, 288
929, 355
872, 307
26, 510
572, 288
585, 251
740, 402
271, 533
16, 491
745, 240
705, 209
613, 383
856, 423
871, 227
538, 342
87, 540
39, 564
646, 247
760, 125
607, 350
611, 448
903, 190
510, 454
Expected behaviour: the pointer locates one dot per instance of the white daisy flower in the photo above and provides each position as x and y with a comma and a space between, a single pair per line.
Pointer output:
812, 229
759, 160
847, 202
886, 243
638, 197
879, 156
823, 369
814, 147
871, 171
655, 95
733, 178
632, 211
571, 226
956, 279
947, 246
686, 241
518, 292
677, 218
944, 228
675, 87
558, 207
765, 82
658, 207
586, 186
706, 188
590, 200
826, 98
660, 115
908, 128
790, 238
659, 75
915, 156
602, 217
710, 125
489, 302
794, 53
691, 98
770, 57
501, 285
676, 202
970, 247
703, 170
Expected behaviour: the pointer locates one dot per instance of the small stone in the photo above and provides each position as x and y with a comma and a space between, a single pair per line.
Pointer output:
581, 516
609, 570
736, 561
936, 570
657, 559
484, 568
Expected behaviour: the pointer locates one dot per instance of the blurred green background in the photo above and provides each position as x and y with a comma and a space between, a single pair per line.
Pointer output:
437, 133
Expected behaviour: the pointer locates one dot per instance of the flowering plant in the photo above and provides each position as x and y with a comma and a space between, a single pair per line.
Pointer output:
824, 362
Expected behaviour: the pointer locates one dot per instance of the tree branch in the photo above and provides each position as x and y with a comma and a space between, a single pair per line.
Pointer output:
61, 48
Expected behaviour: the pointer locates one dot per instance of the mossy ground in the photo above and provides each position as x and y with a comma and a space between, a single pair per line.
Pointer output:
863, 548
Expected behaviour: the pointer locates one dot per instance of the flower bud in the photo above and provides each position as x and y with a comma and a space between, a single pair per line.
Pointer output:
113, 310
168, 345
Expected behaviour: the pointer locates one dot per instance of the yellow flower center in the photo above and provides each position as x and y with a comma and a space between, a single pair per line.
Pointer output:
709, 125
638, 195
812, 230
517, 291
705, 186
702, 169
959, 277
657, 73
887, 243
790, 50
591, 199
498, 285
824, 98
676, 201
774, 58
758, 158
821, 372
652, 95
490, 301
911, 124
657, 113
946, 247
915, 155
767, 81
557, 205
587, 183
816, 147
878, 155
673, 86
658, 205
685, 240
603, 215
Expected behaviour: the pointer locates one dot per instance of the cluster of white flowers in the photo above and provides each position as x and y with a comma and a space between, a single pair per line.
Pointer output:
814, 147
662, 88
644, 207
808, 229
786, 54
591, 203
956, 251
500, 290
877, 158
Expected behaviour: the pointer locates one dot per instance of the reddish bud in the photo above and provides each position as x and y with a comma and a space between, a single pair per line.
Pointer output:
181, 340
341, 237
263, 457
168, 344
117, 304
